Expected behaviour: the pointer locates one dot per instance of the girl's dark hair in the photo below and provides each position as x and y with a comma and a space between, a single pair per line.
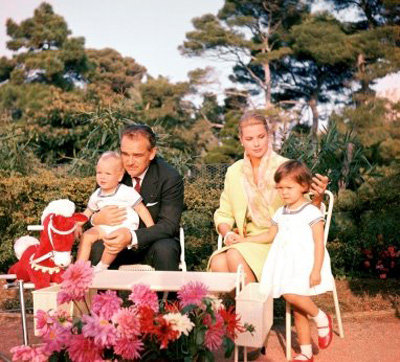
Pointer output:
297, 170
250, 118
134, 130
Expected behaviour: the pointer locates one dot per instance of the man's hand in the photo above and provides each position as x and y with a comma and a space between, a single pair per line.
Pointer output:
319, 184
109, 215
117, 240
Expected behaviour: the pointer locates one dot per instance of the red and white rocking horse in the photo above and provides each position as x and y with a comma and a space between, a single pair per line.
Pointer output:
42, 262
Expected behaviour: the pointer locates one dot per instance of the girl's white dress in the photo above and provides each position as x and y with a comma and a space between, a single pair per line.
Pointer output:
291, 257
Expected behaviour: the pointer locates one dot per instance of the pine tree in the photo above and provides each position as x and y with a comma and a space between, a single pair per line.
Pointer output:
46, 52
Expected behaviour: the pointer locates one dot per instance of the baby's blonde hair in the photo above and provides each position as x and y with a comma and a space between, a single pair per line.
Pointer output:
113, 155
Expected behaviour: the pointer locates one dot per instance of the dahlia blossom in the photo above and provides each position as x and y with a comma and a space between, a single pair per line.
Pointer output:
128, 348
106, 304
216, 303
76, 281
192, 293
164, 332
103, 332
43, 322
143, 296
81, 349
28, 353
56, 338
231, 322
128, 322
180, 323
215, 332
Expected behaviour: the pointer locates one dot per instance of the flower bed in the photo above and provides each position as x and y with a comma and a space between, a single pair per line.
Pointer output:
188, 329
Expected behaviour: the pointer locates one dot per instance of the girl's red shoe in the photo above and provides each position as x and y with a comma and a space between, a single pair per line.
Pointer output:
324, 342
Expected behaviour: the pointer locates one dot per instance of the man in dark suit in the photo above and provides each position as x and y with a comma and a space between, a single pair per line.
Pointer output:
161, 188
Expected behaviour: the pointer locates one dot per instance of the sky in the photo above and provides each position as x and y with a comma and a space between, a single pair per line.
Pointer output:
147, 30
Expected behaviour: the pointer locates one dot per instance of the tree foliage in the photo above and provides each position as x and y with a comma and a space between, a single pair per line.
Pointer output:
46, 52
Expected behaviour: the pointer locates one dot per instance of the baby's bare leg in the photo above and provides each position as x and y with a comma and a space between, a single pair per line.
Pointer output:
107, 258
88, 238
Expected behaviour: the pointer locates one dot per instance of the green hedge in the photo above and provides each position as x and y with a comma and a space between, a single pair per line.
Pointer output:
363, 220
25, 197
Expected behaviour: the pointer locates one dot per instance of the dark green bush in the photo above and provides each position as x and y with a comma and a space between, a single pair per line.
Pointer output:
25, 197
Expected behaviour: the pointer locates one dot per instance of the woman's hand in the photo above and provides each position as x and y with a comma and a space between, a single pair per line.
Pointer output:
231, 238
109, 215
315, 278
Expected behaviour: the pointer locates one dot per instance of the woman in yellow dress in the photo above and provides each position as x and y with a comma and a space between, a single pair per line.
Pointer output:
249, 200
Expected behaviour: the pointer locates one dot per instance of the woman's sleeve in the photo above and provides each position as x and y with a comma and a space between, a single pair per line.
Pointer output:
224, 213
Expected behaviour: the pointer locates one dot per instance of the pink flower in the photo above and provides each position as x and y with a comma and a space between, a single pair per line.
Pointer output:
192, 293
76, 281
81, 349
56, 338
63, 318
106, 304
28, 353
21, 353
142, 296
39, 354
128, 348
103, 332
43, 322
128, 322
215, 332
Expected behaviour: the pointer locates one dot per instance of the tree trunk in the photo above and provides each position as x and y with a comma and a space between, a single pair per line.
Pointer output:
346, 166
267, 77
314, 128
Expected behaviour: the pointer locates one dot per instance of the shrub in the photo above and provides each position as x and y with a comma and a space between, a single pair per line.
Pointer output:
25, 197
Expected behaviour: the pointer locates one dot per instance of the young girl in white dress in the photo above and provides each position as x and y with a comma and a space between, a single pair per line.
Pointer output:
298, 264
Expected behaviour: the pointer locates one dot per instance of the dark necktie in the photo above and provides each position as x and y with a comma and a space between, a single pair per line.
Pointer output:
137, 186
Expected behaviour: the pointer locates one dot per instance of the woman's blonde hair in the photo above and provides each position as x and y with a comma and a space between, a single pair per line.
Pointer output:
251, 118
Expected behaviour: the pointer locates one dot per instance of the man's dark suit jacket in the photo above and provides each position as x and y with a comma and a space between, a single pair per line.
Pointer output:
162, 193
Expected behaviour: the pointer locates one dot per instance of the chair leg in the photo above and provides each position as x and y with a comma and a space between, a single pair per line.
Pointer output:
288, 332
337, 310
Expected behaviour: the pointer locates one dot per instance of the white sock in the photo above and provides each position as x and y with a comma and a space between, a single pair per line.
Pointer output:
306, 352
321, 320
100, 267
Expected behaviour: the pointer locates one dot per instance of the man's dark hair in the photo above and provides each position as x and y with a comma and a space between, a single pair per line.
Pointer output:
134, 130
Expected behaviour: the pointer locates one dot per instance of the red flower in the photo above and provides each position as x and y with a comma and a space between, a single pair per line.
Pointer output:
164, 332
146, 319
231, 322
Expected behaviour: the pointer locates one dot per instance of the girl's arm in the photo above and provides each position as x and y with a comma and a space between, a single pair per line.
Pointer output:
263, 238
318, 236
144, 214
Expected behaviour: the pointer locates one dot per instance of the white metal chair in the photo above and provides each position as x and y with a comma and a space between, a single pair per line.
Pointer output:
327, 211
144, 267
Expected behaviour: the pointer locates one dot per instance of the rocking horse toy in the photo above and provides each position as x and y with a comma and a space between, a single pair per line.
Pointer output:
42, 262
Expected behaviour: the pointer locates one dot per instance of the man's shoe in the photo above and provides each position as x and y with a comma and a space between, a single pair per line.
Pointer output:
311, 359
324, 342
